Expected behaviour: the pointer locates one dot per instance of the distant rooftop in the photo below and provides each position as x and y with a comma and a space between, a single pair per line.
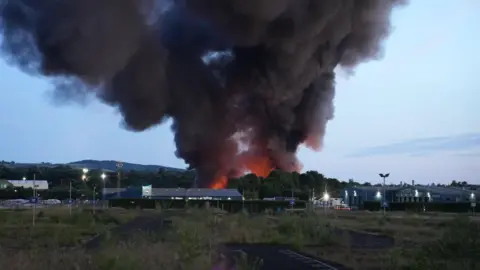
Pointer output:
182, 192
431, 188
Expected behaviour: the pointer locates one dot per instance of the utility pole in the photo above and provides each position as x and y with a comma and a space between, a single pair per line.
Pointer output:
119, 168
34, 201
384, 204
326, 198
293, 199
94, 190
70, 197
103, 176
313, 199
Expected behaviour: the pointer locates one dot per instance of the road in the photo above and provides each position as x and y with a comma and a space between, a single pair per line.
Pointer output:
280, 257
274, 257
143, 223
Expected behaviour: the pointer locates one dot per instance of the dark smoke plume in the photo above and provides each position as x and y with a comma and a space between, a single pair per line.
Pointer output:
263, 69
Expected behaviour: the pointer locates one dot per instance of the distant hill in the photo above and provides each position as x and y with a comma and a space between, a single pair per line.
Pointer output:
106, 165
112, 166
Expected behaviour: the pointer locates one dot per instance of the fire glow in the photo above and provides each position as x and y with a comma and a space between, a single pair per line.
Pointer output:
265, 68
258, 165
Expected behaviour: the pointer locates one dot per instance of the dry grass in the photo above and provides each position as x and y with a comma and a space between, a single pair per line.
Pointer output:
196, 234
55, 227
419, 228
414, 234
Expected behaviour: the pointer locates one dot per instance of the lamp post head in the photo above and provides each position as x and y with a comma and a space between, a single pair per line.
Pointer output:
103, 176
85, 170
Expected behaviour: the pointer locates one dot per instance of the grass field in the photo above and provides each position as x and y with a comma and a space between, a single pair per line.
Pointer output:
420, 241
435, 241
55, 227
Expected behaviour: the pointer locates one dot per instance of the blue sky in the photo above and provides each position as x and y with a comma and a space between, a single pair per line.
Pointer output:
412, 113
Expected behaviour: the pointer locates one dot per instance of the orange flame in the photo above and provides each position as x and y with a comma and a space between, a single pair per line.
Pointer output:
219, 182
258, 165
261, 164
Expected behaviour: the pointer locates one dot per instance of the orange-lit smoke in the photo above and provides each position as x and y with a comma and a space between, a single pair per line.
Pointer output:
258, 165
257, 160
314, 142
220, 182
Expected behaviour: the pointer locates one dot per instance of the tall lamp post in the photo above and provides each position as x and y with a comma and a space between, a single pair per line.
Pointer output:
473, 202
70, 197
103, 176
85, 179
384, 176
34, 200
119, 168
326, 198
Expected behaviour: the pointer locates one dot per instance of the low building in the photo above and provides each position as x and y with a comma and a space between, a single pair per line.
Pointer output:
355, 196
4, 184
173, 193
436, 194
38, 184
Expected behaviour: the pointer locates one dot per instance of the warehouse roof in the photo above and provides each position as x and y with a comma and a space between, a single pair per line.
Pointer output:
175, 192
195, 192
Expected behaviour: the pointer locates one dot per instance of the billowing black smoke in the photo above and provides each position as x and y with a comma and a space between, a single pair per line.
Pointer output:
264, 68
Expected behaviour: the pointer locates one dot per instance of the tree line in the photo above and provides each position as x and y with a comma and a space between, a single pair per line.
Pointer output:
278, 183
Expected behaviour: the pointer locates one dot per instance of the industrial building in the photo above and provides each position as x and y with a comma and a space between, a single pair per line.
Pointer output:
172, 193
355, 196
39, 184
4, 184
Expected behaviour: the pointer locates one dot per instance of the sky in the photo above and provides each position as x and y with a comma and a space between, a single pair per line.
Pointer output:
414, 114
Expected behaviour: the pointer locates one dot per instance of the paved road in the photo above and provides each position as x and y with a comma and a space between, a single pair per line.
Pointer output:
280, 257
274, 257
362, 240
143, 223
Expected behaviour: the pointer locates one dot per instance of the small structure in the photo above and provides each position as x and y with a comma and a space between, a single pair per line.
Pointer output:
38, 184
4, 184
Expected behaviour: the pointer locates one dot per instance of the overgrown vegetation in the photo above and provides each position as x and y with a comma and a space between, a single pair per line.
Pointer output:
278, 183
196, 236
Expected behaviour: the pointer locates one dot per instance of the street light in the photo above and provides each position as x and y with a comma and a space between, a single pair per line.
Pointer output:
384, 176
472, 196
103, 176
85, 179
326, 197
119, 169
24, 178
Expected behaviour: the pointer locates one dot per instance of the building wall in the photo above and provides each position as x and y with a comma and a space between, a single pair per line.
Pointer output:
39, 184
356, 196
5, 184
